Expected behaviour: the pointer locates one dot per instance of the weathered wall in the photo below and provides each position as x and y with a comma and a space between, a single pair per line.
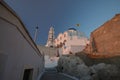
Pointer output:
17, 50
106, 39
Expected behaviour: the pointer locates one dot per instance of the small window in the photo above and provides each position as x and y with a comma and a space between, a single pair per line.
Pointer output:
70, 33
64, 35
61, 44
64, 47
65, 41
60, 38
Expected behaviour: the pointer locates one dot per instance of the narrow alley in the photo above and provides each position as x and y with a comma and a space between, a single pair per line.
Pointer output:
52, 74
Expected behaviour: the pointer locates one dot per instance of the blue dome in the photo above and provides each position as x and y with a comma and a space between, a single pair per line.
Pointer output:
72, 29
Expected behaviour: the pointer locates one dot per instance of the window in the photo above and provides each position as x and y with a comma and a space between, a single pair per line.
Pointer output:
64, 47
61, 44
60, 38
65, 41
64, 35
70, 34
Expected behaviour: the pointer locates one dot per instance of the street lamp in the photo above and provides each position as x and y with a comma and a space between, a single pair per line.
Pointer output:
36, 32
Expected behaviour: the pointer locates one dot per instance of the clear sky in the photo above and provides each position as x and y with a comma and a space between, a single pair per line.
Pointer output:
63, 14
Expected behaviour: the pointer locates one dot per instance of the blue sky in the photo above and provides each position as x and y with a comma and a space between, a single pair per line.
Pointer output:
63, 14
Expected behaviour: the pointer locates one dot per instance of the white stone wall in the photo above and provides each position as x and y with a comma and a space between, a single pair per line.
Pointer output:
51, 62
17, 50
50, 56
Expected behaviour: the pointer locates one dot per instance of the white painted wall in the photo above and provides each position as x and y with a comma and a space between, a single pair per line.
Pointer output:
17, 50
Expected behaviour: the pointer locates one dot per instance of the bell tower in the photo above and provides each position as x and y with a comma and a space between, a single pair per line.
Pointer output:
51, 37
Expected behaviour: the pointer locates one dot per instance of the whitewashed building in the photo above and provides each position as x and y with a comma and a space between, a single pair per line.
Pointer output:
71, 41
20, 59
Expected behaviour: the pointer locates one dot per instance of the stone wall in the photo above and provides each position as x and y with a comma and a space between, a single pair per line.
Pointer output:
51, 56
48, 50
85, 68
106, 38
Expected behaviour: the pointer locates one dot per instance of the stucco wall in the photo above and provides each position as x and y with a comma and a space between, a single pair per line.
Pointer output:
17, 50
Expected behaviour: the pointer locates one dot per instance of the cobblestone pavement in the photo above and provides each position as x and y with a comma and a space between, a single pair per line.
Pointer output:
52, 74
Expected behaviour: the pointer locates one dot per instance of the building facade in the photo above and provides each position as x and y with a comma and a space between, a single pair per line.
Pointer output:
20, 59
71, 41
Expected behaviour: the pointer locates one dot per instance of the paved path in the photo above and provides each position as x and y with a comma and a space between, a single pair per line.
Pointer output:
52, 74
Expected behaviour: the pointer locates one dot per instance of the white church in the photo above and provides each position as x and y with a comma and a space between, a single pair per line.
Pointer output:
71, 41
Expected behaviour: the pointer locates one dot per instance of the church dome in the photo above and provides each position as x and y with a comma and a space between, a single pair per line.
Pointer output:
72, 29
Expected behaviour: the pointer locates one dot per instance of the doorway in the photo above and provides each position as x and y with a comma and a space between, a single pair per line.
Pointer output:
28, 73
